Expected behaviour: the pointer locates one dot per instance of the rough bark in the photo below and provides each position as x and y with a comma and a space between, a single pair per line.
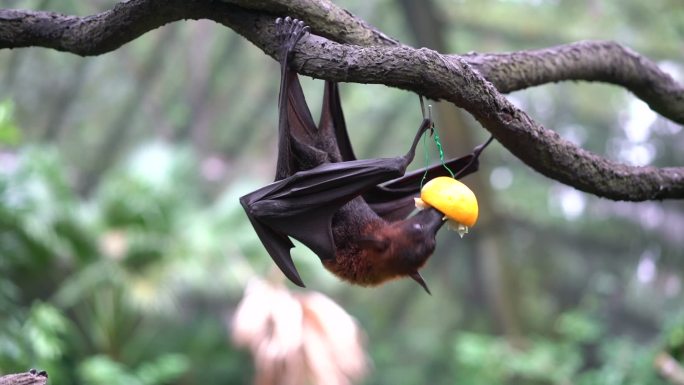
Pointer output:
473, 82
32, 377
600, 61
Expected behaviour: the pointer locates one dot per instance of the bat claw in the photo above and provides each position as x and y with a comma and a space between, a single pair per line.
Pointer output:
289, 31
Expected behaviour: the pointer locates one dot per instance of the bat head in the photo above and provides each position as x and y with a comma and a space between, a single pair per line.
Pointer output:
400, 248
416, 242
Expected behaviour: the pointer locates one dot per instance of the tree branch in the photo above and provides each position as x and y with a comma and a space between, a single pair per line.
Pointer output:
32, 377
423, 71
96, 34
324, 17
602, 61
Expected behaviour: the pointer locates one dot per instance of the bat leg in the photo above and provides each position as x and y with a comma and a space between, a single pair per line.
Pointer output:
288, 32
295, 125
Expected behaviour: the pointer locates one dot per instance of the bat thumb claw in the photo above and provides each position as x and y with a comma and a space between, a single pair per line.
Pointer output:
419, 278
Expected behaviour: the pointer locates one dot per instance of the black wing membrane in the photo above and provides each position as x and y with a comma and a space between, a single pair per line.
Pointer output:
302, 206
301, 203
392, 200
332, 120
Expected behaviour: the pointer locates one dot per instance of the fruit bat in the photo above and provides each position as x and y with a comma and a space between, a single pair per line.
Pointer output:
351, 213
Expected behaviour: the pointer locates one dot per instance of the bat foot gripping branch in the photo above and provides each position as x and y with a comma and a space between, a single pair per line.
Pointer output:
289, 31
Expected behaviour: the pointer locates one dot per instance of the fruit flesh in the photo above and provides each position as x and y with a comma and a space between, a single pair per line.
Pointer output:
452, 198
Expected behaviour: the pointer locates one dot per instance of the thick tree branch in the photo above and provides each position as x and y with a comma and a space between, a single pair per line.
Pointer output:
107, 31
32, 377
602, 61
96, 34
324, 17
425, 72
437, 76
606, 62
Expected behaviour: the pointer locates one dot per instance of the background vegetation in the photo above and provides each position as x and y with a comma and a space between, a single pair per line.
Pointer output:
124, 251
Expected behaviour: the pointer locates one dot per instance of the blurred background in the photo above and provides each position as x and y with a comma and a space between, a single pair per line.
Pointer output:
124, 251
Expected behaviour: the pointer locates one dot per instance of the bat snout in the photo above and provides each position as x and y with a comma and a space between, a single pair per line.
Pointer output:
417, 240
430, 221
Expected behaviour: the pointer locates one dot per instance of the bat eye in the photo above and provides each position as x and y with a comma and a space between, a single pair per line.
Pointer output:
417, 226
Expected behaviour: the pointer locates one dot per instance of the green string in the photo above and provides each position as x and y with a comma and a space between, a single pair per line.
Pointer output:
427, 159
441, 154
438, 144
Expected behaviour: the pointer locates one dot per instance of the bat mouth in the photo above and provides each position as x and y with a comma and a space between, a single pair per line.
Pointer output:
430, 220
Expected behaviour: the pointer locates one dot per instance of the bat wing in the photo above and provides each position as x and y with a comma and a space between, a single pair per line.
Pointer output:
393, 200
302, 206
309, 189
332, 122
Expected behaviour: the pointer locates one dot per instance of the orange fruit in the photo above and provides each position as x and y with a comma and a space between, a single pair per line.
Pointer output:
452, 198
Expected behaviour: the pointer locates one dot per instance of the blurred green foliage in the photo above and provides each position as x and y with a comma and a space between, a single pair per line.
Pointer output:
9, 132
127, 271
92, 290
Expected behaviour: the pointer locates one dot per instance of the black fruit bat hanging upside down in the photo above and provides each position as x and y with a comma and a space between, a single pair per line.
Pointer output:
351, 213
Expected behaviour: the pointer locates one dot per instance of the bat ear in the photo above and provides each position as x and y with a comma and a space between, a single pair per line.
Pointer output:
374, 243
419, 278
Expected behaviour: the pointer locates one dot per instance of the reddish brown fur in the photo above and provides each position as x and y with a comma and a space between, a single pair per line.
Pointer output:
371, 250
